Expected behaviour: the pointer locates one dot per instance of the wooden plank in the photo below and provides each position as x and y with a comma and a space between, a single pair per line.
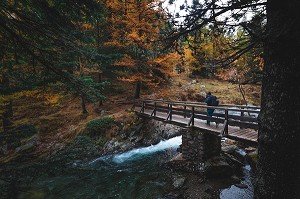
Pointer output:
243, 131
253, 136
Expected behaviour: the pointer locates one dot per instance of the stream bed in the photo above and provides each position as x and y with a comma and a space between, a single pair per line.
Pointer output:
136, 174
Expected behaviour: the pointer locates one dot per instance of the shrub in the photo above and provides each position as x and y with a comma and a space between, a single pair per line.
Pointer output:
101, 141
98, 126
25, 130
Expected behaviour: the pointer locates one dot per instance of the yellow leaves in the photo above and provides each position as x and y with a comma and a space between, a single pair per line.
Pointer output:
36, 94
52, 98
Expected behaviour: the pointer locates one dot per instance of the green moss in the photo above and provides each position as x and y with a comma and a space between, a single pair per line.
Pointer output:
252, 158
99, 126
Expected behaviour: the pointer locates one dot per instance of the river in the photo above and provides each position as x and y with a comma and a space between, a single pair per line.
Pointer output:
135, 174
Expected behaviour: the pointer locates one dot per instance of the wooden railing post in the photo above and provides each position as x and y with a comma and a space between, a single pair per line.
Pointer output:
191, 121
133, 106
171, 110
242, 112
193, 113
154, 110
143, 107
226, 122
184, 111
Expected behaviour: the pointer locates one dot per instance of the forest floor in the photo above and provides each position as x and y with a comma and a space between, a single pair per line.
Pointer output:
58, 118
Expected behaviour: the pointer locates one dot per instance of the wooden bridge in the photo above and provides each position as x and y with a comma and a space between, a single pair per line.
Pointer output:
236, 122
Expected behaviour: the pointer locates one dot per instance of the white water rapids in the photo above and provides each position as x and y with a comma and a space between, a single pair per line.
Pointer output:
162, 145
172, 143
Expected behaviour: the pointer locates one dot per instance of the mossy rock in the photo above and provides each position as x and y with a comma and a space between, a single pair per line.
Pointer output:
81, 148
252, 158
98, 127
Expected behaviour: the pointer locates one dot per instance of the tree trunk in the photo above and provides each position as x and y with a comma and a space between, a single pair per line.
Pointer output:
137, 90
279, 121
83, 104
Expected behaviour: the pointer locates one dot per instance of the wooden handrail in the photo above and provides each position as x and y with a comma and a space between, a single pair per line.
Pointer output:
181, 108
213, 107
174, 112
199, 103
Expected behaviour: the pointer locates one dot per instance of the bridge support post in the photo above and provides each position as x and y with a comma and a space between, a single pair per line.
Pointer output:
198, 145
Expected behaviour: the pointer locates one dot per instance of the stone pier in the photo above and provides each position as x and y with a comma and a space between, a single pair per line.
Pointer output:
198, 145
200, 153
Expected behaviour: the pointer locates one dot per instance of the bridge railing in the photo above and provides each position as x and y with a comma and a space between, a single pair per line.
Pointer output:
226, 114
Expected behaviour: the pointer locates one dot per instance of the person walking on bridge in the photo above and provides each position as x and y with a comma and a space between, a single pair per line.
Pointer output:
211, 100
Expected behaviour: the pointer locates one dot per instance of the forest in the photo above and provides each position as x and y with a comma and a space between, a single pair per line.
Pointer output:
71, 73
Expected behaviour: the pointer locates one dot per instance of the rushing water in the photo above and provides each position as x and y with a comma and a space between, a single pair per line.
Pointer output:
134, 174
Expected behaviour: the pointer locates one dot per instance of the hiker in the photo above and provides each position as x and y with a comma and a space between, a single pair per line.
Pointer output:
211, 100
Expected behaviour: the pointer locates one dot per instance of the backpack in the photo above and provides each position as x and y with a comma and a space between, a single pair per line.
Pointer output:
214, 101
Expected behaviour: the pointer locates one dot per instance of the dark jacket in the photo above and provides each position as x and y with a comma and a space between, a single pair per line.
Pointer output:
211, 100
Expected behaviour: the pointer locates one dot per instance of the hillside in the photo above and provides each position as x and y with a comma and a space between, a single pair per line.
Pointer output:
58, 118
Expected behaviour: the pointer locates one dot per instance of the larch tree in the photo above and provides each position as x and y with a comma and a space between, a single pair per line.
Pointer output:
136, 29
277, 174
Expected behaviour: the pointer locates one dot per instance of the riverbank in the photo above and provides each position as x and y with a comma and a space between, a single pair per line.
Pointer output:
137, 173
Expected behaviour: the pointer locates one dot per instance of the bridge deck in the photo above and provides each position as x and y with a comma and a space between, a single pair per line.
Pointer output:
235, 132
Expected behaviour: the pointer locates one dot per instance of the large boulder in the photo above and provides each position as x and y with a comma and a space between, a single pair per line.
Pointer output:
145, 132
28, 145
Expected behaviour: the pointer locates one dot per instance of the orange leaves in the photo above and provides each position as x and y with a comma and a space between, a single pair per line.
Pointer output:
134, 78
126, 61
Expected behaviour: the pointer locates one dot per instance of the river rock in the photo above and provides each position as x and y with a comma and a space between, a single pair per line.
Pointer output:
241, 186
146, 132
229, 149
28, 145
25, 148
252, 159
154, 131
178, 182
117, 146
235, 179
217, 167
